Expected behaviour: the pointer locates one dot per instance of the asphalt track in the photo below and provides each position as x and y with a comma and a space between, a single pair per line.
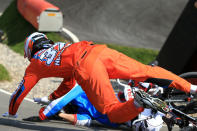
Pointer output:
28, 110
139, 23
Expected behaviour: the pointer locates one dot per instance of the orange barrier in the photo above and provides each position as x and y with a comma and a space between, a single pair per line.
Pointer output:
41, 14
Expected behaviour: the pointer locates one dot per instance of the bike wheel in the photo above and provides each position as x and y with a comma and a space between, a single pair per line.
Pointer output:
181, 100
190, 77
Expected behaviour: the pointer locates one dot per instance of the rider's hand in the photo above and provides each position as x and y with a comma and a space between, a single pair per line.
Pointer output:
41, 114
9, 115
193, 89
128, 93
43, 100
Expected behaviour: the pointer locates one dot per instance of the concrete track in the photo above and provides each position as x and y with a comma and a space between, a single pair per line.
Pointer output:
29, 109
4, 4
140, 23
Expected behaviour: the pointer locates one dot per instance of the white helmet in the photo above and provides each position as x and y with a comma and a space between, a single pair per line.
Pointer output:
34, 38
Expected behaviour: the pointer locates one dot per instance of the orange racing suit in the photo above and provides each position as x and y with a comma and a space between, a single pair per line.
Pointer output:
91, 66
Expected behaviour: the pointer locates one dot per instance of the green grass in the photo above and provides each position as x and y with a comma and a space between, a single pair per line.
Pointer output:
17, 29
4, 74
140, 54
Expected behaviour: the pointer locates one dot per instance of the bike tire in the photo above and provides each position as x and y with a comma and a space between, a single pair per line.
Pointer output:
176, 94
190, 77
180, 99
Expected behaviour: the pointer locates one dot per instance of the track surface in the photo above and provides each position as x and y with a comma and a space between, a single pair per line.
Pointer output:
140, 23
29, 109
4, 4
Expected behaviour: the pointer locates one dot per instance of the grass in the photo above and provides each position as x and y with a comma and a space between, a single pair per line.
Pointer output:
4, 74
16, 29
140, 54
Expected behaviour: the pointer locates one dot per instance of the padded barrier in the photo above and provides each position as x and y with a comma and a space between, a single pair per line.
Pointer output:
41, 14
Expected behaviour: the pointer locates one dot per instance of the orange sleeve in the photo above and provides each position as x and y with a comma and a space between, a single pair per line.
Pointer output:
23, 89
65, 86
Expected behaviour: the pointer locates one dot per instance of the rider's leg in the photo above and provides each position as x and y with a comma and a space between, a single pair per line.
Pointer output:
121, 66
96, 84
94, 71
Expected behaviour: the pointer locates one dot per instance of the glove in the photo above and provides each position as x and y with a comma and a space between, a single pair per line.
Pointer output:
128, 93
9, 115
193, 89
43, 100
41, 114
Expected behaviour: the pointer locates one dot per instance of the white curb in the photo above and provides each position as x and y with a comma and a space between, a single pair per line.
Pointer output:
71, 35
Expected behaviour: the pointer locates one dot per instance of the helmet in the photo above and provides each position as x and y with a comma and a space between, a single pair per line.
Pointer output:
35, 42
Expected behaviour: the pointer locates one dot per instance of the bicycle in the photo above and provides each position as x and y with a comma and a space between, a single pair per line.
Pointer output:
173, 115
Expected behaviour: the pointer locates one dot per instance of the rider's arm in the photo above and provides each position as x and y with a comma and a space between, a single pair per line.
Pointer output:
59, 103
68, 117
77, 119
28, 82
65, 86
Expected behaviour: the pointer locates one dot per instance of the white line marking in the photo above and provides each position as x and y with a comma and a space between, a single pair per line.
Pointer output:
8, 93
71, 35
